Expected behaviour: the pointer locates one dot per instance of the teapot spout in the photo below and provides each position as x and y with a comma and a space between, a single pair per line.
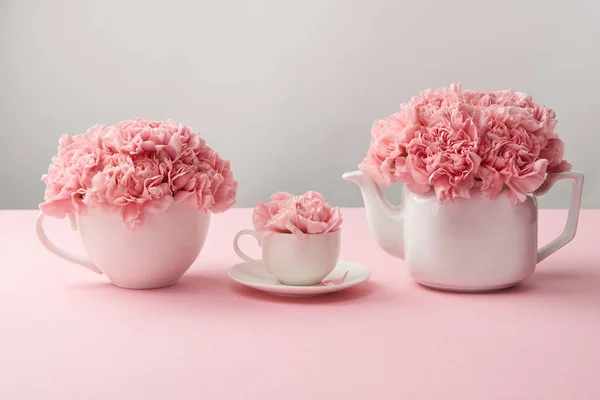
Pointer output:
385, 220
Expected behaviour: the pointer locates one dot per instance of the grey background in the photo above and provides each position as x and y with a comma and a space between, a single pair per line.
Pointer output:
287, 90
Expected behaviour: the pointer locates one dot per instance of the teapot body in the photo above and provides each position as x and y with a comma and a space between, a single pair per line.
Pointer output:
472, 244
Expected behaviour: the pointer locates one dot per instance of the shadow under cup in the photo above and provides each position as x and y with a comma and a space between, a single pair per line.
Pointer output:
298, 260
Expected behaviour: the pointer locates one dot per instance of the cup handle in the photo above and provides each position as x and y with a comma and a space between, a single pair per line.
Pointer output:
81, 260
236, 246
568, 232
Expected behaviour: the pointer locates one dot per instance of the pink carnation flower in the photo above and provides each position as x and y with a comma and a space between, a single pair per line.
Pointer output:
385, 162
510, 156
137, 167
305, 214
447, 139
71, 172
444, 157
553, 152
431, 103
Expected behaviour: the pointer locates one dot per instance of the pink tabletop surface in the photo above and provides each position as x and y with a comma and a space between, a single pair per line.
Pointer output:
67, 333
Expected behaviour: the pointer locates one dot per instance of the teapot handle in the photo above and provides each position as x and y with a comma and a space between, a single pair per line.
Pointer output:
81, 260
568, 232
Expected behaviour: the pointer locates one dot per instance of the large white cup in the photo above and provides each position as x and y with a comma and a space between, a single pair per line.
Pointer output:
153, 255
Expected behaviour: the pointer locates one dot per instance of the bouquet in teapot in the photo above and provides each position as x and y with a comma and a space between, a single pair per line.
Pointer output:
452, 141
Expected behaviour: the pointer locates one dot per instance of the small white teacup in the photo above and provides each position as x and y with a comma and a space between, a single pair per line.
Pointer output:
293, 259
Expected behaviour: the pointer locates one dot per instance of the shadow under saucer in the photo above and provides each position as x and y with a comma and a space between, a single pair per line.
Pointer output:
366, 291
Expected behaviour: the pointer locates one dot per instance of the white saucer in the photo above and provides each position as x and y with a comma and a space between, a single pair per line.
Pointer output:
255, 275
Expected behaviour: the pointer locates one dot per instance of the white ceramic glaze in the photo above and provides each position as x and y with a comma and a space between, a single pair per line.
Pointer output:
153, 255
469, 245
254, 274
294, 259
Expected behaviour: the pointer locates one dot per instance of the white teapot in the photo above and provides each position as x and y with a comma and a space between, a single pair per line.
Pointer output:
471, 244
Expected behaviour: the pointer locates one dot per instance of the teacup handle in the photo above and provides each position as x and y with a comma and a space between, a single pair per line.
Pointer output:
568, 232
236, 246
81, 260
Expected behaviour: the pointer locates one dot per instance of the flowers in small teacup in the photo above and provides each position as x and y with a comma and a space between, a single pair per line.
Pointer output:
135, 168
446, 139
305, 214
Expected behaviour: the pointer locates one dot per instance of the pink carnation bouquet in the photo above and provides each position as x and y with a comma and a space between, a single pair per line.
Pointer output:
305, 214
447, 140
137, 167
